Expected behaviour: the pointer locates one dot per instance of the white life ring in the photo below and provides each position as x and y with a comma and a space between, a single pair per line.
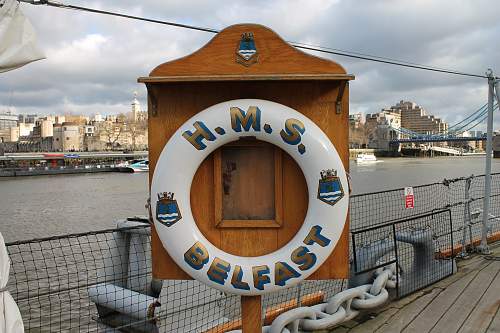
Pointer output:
300, 138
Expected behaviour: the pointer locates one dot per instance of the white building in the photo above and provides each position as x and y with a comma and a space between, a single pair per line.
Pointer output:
8, 120
25, 129
97, 118
46, 128
60, 119
383, 127
137, 115
88, 130
9, 134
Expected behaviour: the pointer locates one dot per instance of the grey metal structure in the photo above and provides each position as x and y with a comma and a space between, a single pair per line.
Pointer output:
129, 294
419, 246
467, 217
483, 247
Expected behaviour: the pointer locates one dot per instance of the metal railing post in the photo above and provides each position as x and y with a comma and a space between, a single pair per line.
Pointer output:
467, 217
483, 247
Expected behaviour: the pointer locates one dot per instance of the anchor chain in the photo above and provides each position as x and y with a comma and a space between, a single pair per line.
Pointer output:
340, 308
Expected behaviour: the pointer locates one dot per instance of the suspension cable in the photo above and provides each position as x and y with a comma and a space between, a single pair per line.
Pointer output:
481, 109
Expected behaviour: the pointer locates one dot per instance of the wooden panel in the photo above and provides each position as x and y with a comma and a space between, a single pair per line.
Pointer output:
180, 101
248, 183
275, 56
295, 199
261, 186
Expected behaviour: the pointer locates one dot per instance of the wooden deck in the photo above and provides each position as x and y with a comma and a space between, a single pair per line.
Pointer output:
468, 301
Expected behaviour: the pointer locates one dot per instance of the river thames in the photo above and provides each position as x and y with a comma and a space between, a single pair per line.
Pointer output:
42, 206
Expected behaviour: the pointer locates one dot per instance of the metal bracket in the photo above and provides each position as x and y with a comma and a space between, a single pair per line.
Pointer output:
338, 102
152, 101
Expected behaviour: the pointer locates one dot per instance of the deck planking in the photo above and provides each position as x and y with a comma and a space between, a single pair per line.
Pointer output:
494, 326
467, 301
482, 315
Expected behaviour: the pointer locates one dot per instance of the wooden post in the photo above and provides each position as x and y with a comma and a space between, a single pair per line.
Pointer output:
251, 314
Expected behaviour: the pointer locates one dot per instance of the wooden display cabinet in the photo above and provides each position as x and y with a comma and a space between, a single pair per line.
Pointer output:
221, 188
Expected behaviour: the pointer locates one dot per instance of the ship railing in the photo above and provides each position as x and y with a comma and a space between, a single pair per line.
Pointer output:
59, 282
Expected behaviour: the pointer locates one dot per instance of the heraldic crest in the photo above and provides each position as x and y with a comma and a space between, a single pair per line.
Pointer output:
330, 188
246, 52
167, 210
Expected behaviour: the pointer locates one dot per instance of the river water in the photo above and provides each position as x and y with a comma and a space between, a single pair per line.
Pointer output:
42, 206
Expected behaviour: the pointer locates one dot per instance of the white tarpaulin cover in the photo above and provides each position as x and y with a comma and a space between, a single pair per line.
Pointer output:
17, 38
10, 317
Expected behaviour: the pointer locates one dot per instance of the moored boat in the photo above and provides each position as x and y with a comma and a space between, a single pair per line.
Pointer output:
366, 158
138, 166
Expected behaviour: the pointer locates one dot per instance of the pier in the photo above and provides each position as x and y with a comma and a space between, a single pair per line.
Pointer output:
36, 164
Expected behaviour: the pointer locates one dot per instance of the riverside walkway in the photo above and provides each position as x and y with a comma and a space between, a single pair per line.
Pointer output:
467, 301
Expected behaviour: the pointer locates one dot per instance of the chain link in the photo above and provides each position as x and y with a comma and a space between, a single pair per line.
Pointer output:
340, 308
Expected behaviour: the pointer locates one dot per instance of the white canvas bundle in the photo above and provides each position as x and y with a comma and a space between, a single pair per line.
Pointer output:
17, 38
10, 317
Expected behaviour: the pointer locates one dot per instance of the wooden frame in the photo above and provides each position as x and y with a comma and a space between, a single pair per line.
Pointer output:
277, 222
248, 77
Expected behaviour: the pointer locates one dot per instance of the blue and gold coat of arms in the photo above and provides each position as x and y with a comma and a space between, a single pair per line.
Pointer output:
246, 52
330, 188
167, 210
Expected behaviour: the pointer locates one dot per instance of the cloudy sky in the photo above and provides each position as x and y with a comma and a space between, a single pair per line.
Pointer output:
93, 60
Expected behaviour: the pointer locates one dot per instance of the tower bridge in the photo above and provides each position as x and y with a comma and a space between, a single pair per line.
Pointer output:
454, 133
436, 138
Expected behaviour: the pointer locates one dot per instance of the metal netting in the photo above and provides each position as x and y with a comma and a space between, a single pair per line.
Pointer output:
54, 280
372, 209
100, 280
419, 246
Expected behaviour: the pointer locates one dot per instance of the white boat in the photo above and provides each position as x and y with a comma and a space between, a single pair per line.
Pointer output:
139, 166
366, 158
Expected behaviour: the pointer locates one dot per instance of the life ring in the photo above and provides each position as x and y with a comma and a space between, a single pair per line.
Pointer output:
295, 134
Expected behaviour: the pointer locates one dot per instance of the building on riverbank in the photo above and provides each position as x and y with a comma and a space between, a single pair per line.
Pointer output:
358, 136
9, 134
496, 145
7, 120
67, 137
383, 127
30, 133
398, 122
415, 118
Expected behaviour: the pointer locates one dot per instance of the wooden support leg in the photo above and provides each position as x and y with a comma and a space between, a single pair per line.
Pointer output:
251, 314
